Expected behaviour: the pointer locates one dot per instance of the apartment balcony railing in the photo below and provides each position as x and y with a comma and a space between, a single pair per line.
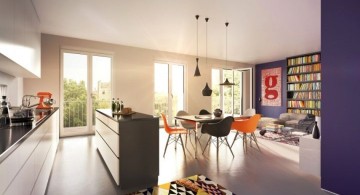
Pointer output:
75, 112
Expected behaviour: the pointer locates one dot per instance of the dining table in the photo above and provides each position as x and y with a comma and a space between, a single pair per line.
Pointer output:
199, 119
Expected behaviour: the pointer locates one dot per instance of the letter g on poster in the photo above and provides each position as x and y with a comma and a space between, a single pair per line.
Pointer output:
271, 87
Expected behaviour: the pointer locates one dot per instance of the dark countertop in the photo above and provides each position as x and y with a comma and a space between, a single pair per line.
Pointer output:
119, 118
12, 137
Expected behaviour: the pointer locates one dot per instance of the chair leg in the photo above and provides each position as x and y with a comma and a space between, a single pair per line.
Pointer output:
166, 145
182, 144
245, 142
176, 141
206, 144
237, 133
255, 140
217, 146
229, 147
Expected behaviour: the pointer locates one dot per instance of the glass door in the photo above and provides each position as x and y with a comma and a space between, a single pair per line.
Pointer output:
86, 86
233, 100
169, 90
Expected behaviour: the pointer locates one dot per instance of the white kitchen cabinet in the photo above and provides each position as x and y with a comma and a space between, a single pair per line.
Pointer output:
27, 169
20, 39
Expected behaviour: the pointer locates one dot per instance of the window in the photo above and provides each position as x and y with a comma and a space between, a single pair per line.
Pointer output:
233, 100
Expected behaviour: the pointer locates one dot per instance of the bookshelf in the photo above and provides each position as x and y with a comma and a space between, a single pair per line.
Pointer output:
304, 84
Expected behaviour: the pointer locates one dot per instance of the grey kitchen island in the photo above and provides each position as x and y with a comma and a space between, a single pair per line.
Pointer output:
129, 146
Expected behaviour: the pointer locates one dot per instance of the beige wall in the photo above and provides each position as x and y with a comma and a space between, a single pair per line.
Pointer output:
132, 74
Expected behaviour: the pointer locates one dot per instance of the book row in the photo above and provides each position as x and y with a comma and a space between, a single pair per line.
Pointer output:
304, 77
304, 86
304, 104
306, 95
305, 69
304, 60
304, 111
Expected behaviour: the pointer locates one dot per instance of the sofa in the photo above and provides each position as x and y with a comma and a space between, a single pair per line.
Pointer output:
302, 122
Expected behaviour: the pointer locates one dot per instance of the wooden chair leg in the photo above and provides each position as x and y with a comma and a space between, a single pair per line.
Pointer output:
182, 144
166, 145
245, 142
255, 140
229, 147
237, 133
217, 146
206, 144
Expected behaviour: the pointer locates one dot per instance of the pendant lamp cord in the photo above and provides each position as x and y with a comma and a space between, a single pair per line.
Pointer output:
226, 24
197, 36
206, 19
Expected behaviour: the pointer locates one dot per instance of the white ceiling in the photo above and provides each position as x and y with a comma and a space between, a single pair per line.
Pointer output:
259, 30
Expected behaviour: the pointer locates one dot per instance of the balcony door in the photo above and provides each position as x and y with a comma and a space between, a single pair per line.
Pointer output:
233, 100
169, 90
85, 86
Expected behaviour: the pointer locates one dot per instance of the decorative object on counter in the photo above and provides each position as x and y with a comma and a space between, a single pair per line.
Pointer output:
226, 83
197, 71
217, 112
113, 105
316, 131
207, 91
121, 105
126, 111
117, 105
45, 101
4, 107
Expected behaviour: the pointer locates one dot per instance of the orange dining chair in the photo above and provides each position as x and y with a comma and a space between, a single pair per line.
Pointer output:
174, 134
246, 126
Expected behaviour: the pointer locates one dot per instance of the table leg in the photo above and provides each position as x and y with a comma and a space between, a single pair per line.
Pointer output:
196, 130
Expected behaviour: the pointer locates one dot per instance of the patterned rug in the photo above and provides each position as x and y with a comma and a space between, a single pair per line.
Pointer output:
197, 184
291, 139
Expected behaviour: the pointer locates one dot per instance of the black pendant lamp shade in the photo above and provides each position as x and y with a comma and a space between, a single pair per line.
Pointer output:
227, 83
206, 91
197, 70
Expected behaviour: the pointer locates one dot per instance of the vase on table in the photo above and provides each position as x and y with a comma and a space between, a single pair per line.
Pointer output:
316, 132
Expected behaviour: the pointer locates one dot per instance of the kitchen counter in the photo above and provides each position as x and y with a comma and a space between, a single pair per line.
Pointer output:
135, 116
118, 138
12, 137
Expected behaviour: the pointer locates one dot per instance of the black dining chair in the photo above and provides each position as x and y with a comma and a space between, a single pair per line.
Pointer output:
220, 131
204, 112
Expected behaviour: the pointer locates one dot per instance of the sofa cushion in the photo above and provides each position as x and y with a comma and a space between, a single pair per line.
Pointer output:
291, 123
297, 117
266, 120
285, 116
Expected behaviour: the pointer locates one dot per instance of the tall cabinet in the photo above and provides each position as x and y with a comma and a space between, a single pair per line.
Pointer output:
304, 84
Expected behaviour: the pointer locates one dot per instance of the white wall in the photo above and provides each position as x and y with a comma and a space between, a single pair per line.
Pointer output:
132, 74
14, 88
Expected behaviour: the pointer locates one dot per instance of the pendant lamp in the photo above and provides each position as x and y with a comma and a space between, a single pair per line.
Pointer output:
206, 91
197, 71
226, 83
